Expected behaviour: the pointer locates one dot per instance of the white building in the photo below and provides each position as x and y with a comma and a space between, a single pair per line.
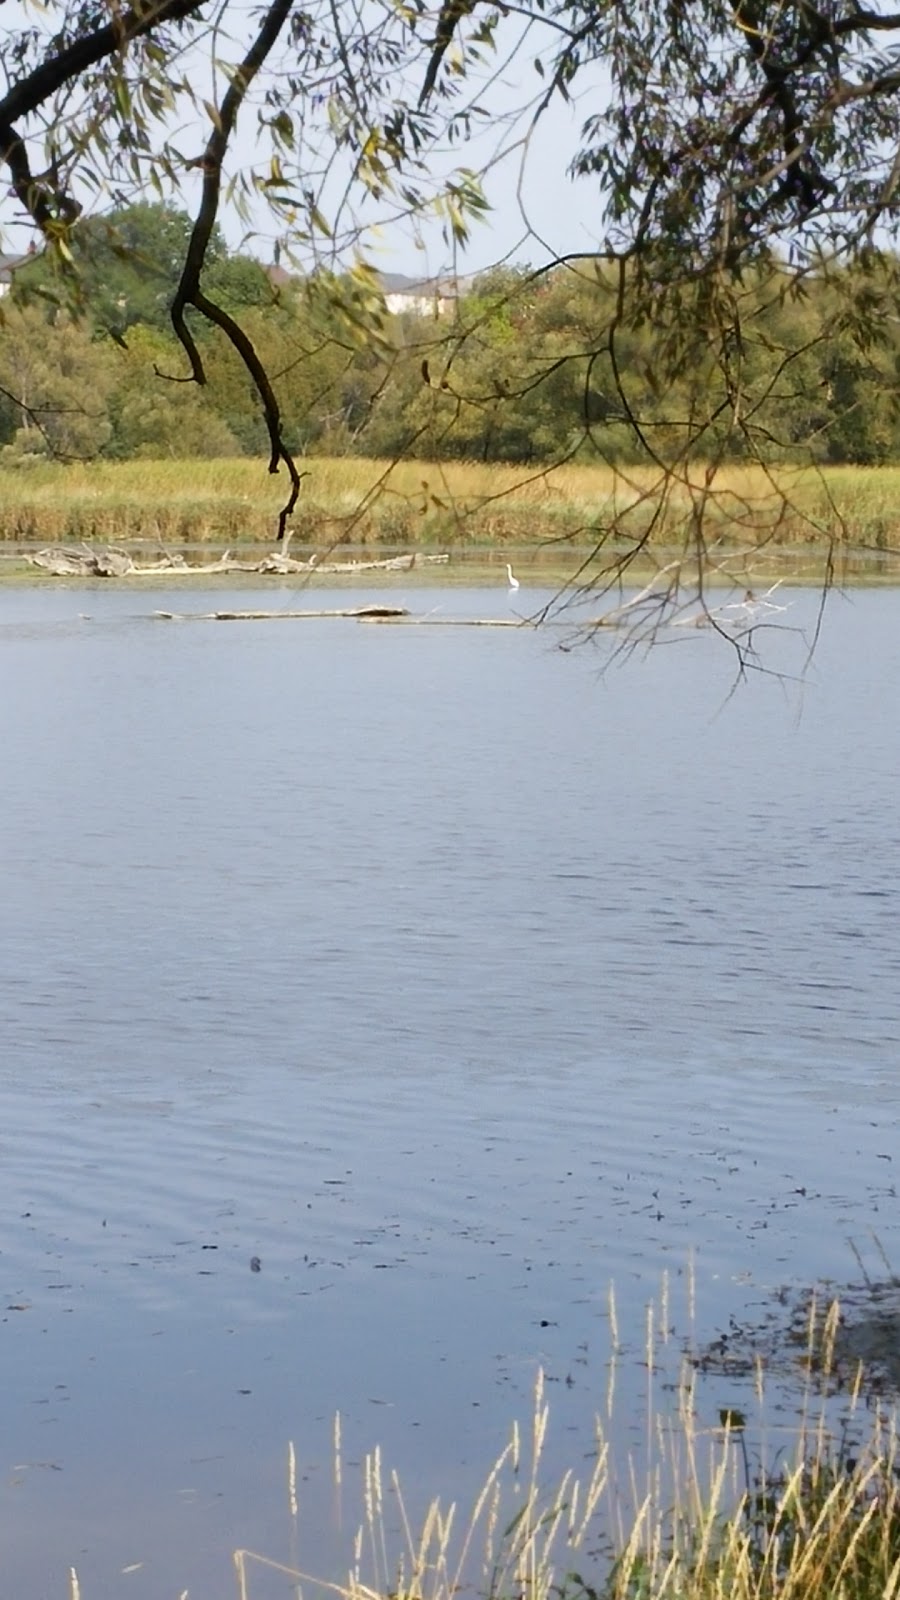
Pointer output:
427, 297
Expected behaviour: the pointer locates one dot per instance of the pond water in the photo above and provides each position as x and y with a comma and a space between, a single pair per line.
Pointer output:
444, 979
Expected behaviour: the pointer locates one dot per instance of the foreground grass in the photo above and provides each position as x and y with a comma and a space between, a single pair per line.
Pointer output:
700, 1526
704, 1515
360, 502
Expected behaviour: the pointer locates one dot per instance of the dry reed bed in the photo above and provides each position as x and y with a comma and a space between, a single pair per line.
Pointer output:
356, 501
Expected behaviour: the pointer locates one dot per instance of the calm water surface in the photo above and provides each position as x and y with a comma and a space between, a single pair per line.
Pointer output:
450, 978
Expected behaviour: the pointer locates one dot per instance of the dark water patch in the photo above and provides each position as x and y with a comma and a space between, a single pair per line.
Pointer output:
828, 1340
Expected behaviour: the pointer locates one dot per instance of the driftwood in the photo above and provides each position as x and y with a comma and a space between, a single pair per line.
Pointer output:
360, 613
84, 563
63, 561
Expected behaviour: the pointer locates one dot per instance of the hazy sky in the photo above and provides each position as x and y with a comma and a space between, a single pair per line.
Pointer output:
536, 209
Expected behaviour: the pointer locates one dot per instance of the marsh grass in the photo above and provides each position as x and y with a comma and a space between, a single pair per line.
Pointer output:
721, 1509
352, 500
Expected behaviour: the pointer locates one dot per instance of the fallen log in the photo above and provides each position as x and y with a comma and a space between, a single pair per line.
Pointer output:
360, 613
64, 561
404, 563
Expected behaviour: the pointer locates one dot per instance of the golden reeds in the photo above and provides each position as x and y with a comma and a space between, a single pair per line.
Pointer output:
356, 501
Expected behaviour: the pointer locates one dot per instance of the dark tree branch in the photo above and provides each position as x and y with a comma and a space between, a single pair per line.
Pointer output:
189, 292
804, 179
54, 73
48, 208
451, 15
244, 347
44, 205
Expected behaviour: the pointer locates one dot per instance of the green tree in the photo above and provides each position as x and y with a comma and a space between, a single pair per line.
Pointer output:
155, 419
56, 380
126, 266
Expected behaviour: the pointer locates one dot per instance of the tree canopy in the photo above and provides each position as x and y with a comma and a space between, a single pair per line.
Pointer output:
738, 165
526, 383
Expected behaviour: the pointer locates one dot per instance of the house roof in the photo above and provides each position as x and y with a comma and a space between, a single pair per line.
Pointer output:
401, 283
393, 283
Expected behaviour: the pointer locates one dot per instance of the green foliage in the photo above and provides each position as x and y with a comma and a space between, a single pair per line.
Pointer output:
737, 168
540, 368
124, 268
152, 417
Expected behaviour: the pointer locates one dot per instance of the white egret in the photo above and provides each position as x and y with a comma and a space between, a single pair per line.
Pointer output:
511, 577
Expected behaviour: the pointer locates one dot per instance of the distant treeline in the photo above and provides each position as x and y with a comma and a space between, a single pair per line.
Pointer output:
520, 368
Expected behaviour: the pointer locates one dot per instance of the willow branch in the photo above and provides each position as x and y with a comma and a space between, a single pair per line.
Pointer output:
189, 292
278, 451
44, 205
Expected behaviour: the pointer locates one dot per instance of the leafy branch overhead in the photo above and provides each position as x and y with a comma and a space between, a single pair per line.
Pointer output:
722, 147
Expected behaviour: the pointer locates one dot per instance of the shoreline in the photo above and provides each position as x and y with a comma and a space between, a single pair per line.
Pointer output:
536, 569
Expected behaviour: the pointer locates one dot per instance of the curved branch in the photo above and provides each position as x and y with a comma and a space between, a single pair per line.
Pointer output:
189, 292
451, 14
244, 347
44, 205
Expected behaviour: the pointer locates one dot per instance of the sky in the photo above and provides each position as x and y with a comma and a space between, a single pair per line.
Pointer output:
537, 210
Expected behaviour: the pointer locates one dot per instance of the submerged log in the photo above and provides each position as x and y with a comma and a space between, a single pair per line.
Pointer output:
453, 622
63, 561
360, 613
397, 615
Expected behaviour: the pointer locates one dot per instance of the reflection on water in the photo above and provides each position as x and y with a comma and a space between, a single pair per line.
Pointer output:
447, 980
